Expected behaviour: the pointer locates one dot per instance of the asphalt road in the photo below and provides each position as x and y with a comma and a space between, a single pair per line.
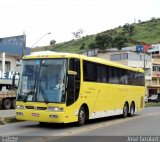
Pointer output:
146, 123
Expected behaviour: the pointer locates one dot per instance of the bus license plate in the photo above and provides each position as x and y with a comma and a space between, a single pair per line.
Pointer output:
35, 114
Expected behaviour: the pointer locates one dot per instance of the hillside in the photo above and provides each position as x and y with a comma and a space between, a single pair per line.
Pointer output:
147, 32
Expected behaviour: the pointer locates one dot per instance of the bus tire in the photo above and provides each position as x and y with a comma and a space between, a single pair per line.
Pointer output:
13, 103
125, 110
6, 104
81, 116
43, 124
132, 109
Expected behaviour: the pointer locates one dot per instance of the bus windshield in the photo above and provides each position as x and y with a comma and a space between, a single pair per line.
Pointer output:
43, 80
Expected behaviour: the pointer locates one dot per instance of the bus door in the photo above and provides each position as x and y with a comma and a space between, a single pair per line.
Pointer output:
73, 87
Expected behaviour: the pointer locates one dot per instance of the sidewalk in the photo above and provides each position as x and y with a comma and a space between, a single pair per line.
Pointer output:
6, 115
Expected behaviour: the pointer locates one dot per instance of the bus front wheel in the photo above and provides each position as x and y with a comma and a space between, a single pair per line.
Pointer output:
81, 116
43, 124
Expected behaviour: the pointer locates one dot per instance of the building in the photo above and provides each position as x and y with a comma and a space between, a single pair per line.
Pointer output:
155, 50
10, 55
154, 84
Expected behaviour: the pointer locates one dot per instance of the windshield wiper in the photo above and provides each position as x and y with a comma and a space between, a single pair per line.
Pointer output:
30, 92
44, 95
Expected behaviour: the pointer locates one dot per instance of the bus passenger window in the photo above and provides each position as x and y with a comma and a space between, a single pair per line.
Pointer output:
89, 71
101, 73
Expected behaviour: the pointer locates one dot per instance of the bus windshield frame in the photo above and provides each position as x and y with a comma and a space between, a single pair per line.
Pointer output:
43, 80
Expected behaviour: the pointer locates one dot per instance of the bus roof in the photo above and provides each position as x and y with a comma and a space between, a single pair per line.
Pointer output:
52, 54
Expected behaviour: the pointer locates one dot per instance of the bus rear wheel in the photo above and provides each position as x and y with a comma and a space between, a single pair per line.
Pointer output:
132, 109
82, 116
125, 110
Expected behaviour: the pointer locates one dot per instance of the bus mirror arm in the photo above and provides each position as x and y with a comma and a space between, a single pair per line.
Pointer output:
72, 72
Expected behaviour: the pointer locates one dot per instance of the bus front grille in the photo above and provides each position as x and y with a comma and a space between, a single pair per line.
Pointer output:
41, 108
29, 107
35, 107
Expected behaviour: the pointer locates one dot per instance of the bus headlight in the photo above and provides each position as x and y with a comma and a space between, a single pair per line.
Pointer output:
20, 107
56, 109
19, 113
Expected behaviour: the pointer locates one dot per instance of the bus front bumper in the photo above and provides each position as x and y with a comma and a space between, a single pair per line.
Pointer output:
41, 116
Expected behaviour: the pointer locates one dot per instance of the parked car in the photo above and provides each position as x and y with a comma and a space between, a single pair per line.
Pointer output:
154, 98
146, 99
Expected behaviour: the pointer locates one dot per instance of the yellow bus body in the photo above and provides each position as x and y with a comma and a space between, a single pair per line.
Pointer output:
102, 99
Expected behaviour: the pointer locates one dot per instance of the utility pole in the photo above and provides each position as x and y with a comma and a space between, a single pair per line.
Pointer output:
23, 44
144, 58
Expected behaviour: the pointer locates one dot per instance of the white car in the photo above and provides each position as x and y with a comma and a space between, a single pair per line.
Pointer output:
154, 98
146, 99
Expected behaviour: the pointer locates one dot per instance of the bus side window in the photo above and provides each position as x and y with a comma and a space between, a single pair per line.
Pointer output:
74, 65
89, 71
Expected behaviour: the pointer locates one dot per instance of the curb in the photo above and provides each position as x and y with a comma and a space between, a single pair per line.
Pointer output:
8, 119
2, 121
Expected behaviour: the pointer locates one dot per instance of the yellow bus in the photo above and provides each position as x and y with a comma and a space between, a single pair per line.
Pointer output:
64, 87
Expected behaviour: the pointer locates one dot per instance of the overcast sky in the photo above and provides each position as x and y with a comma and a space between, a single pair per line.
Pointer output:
62, 17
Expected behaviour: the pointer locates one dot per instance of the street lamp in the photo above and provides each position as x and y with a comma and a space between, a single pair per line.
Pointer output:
40, 39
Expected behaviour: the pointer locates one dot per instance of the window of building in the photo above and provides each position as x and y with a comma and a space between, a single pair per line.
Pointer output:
7, 65
154, 81
115, 57
122, 56
156, 67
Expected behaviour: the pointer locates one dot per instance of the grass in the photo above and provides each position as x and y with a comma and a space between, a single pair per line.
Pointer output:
151, 104
148, 32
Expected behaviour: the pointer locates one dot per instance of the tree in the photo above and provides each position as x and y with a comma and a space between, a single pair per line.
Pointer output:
78, 34
52, 42
128, 29
119, 42
93, 46
82, 46
103, 41
153, 18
